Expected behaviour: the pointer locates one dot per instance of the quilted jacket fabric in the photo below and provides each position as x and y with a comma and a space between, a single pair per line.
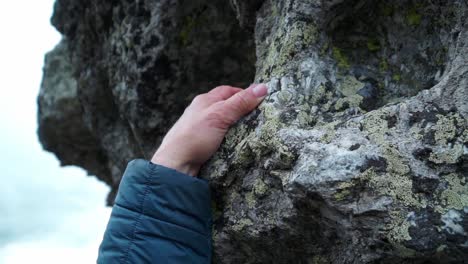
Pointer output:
160, 216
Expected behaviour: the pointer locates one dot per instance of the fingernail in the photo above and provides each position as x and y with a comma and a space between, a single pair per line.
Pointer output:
260, 90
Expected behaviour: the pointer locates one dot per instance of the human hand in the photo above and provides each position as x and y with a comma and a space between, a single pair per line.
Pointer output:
198, 133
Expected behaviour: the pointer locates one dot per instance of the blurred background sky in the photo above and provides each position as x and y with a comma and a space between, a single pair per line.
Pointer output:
48, 214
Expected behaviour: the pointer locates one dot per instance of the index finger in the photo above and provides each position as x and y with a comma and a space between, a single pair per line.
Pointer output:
224, 92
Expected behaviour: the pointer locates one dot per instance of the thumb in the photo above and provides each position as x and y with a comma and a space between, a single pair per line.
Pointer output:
244, 102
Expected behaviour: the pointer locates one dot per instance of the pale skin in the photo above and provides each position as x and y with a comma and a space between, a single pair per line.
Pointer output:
198, 133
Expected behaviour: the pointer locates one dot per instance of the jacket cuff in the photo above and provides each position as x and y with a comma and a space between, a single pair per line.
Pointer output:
167, 195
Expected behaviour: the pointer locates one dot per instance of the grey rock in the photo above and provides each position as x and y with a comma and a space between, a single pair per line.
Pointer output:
358, 155
136, 66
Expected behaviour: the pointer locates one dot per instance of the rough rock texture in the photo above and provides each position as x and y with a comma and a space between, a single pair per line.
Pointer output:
358, 155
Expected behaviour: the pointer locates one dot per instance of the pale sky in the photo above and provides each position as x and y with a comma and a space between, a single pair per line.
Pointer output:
48, 214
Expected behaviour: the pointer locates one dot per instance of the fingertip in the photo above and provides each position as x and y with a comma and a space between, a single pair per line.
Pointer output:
260, 90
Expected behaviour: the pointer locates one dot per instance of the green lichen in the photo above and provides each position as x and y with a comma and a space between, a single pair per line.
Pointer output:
343, 190
241, 224
396, 77
413, 18
395, 181
373, 45
320, 94
263, 141
235, 135
274, 11
349, 87
260, 188
304, 119
341, 59
446, 132
399, 188
250, 199
342, 195
448, 155
286, 43
285, 97
330, 131
184, 35
376, 125
243, 154
310, 34
445, 128
383, 65
455, 196
398, 228
350, 101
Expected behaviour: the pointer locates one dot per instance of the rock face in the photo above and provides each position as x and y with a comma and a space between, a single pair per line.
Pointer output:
358, 155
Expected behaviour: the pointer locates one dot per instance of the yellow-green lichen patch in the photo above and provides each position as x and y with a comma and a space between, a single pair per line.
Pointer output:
376, 125
189, 23
287, 42
445, 129
395, 182
241, 224
395, 162
415, 132
350, 101
447, 155
349, 87
413, 18
260, 188
373, 45
320, 94
445, 132
250, 199
304, 119
343, 190
383, 65
235, 135
269, 111
243, 154
341, 59
285, 97
456, 194
330, 131
398, 229
267, 132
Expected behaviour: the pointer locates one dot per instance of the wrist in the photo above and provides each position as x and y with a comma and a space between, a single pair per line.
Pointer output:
179, 165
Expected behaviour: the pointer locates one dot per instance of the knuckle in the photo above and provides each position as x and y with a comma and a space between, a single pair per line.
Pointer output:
217, 88
198, 99
218, 120
243, 102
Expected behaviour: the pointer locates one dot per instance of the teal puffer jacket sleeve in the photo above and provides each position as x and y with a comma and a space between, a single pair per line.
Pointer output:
160, 216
